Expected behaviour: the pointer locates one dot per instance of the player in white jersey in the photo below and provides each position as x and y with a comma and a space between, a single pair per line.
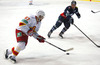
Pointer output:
28, 26
30, 2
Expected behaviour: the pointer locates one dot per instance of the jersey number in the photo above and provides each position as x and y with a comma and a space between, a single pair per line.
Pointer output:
27, 18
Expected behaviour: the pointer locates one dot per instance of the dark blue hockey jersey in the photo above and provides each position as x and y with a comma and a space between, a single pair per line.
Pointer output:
69, 12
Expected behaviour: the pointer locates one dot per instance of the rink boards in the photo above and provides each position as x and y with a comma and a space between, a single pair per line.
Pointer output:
91, 0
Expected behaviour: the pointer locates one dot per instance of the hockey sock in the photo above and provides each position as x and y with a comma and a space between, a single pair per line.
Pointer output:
63, 30
15, 51
58, 24
9, 52
18, 48
53, 28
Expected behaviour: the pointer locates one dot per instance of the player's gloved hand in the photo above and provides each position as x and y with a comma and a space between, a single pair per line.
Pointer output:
41, 39
30, 32
71, 20
78, 15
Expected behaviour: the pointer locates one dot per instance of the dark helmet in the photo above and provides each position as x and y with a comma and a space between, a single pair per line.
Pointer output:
73, 2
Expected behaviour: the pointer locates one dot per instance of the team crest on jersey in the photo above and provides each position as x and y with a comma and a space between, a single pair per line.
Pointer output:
34, 28
19, 34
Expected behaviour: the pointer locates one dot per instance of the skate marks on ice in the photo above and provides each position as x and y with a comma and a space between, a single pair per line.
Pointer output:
42, 59
82, 37
62, 59
75, 37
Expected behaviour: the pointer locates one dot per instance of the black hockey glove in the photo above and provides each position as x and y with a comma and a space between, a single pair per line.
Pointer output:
78, 15
71, 20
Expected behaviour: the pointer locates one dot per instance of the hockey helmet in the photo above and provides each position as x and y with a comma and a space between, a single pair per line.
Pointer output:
73, 2
40, 13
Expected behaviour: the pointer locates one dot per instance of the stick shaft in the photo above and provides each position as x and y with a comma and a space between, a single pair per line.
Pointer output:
94, 12
55, 46
97, 11
86, 35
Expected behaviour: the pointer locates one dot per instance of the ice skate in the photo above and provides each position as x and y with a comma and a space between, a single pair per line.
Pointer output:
60, 34
6, 54
12, 59
49, 34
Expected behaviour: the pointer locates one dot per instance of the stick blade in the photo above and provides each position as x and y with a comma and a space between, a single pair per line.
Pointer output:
92, 11
69, 49
98, 46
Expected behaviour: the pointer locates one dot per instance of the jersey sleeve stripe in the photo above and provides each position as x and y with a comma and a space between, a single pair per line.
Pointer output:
25, 21
22, 24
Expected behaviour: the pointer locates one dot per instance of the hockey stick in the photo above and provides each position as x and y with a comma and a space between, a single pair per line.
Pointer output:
87, 36
94, 12
59, 48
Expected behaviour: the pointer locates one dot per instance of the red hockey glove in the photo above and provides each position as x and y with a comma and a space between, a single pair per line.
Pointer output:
41, 39
30, 32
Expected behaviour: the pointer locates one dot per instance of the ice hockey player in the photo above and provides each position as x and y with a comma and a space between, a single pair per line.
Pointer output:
28, 26
66, 18
30, 2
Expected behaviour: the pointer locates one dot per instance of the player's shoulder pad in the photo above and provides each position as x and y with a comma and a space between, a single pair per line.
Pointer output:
32, 16
76, 7
69, 7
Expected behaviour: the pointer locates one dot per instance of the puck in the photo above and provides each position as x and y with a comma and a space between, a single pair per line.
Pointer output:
67, 53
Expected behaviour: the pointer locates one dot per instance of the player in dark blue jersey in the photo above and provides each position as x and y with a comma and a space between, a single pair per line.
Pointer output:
66, 18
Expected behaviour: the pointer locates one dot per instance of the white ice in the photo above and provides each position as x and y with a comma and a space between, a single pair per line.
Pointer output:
84, 53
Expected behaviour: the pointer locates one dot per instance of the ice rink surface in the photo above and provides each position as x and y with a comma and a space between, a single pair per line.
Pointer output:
84, 53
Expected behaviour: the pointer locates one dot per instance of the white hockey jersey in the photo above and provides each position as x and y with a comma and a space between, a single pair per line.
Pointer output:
29, 22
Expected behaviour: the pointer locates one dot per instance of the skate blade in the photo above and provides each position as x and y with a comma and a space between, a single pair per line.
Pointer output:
12, 61
5, 55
